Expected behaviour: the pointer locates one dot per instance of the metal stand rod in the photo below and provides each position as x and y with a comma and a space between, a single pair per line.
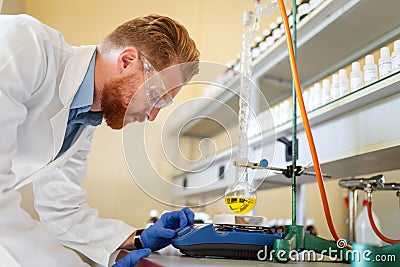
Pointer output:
352, 195
301, 204
294, 122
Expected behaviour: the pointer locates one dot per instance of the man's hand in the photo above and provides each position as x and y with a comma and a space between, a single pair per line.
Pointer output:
160, 234
132, 258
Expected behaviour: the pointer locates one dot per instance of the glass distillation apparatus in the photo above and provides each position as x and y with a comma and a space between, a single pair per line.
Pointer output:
240, 197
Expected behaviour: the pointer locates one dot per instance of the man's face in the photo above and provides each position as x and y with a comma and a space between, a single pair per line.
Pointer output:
124, 98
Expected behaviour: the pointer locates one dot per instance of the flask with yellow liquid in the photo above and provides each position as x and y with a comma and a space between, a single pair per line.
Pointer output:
241, 197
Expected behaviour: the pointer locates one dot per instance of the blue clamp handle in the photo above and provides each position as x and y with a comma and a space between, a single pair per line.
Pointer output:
264, 163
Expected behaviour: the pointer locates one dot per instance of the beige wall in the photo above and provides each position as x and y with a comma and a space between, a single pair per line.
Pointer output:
12, 6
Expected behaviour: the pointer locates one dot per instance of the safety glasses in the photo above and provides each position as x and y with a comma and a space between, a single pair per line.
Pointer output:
156, 92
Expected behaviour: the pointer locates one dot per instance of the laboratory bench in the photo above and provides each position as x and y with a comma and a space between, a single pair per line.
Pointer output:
158, 260
171, 257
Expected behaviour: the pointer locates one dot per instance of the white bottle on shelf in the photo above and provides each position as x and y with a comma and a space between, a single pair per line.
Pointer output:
396, 56
317, 95
266, 32
311, 99
364, 232
306, 99
263, 46
290, 20
279, 20
272, 27
326, 91
277, 32
258, 39
384, 63
335, 86
343, 83
302, 10
370, 70
356, 77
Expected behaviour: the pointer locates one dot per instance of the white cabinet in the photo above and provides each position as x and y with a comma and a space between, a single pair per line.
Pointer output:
356, 134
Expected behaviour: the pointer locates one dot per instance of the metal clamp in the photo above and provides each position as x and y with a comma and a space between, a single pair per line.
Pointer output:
286, 172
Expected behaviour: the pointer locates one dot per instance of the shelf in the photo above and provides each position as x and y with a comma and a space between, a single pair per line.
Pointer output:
386, 87
359, 157
335, 34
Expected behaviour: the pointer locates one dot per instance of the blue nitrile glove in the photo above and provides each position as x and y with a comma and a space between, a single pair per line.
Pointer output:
159, 235
132, 258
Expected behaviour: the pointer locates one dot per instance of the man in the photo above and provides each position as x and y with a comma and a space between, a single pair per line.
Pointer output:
51, 97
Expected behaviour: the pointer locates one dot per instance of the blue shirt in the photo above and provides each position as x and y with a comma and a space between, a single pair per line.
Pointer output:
79, 113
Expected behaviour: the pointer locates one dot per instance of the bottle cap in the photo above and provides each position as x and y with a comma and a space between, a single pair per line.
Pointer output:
385, 52
355, 66
317, 86
258, 39
273, 26
303, 9
397, 45
369, 60
266, 32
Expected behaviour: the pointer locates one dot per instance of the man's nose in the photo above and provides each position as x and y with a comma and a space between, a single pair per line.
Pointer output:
151, 116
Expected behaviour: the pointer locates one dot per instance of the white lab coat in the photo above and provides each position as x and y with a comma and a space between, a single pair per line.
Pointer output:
39, 76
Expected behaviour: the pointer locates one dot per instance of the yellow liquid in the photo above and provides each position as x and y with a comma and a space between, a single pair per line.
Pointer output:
240, 205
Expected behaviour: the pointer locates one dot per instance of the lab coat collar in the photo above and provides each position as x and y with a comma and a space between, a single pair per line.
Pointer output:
73, 75
75, 72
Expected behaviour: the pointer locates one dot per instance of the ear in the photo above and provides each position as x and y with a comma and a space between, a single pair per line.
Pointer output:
127, 58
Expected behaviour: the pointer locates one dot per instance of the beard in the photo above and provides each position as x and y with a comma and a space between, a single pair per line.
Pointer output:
115, 99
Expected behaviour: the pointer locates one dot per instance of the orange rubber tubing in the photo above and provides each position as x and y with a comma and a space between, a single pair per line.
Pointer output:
376, 230
306, 123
